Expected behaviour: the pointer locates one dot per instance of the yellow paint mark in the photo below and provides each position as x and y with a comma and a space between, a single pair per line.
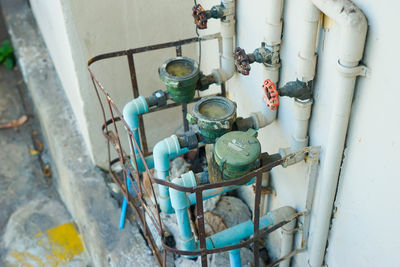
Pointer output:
59, 246
327, 22
26, 259
39, 234
65, 241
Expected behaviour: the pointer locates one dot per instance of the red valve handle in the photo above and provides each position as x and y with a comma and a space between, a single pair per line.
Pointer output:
271, 95
200, 18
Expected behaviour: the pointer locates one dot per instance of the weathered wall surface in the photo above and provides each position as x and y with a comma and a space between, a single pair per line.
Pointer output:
82, 29
75, 31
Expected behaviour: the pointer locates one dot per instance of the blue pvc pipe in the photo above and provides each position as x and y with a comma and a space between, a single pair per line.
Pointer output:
235, 234
124, 204
163, 152
131, 113
149, 162
234, 258
181, 201
186, 238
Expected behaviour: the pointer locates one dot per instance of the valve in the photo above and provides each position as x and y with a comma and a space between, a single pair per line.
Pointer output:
271, 95
242, 61
200, 17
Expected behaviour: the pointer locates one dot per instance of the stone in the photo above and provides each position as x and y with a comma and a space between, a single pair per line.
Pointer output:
232, 210
211, 203
178, 167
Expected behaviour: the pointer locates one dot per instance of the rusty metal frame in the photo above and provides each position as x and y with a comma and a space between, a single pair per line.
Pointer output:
135, 89
143, 205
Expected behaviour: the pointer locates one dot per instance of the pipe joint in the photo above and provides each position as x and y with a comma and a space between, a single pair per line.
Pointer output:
158, 98
297, 89
205, 81
134, 108
165, 149
179, 199
267, 55
189, 140
305, 68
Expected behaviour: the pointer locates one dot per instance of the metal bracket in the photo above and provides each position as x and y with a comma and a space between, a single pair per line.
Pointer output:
360, 70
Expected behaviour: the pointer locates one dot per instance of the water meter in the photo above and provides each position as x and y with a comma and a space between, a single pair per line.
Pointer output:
214, 116
237, 153
180, 76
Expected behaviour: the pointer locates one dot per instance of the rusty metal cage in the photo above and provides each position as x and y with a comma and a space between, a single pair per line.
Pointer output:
144, 204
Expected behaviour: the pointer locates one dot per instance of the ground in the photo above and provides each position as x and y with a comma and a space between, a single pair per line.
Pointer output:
35, 227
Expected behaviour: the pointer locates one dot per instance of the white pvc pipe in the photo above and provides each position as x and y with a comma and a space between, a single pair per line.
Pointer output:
273, 23
305, 72
287, 235
272, 38
306, 57
227, 32
353, 27
301, 112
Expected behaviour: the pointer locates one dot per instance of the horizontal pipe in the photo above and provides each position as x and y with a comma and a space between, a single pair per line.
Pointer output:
231, 236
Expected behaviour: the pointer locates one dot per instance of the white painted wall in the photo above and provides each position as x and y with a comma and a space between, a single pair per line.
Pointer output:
364, 230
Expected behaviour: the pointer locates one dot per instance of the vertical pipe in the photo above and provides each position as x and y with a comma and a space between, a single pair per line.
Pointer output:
227, 33
163, 151
353, 30
287, 242
301, 112
272, 39
234, 258
305, 71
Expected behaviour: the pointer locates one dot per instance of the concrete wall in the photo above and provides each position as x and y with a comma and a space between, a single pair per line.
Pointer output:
363, 225
75, 31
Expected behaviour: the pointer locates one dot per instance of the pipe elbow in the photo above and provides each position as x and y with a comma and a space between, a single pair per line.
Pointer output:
353, 24
163, 150
134, 108
226, 72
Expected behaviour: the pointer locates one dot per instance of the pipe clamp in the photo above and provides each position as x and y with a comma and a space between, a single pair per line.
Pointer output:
360, 70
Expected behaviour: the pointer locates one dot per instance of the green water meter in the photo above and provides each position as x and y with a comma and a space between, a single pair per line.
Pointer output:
214, 116
237, 153
180, 76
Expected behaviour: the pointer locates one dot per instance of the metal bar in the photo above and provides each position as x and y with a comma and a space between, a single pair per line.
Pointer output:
223, 89
178, 49
262, 233
200, 224
185, 121
256, 219
312, 174
153, 47
135, 90
174, 104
